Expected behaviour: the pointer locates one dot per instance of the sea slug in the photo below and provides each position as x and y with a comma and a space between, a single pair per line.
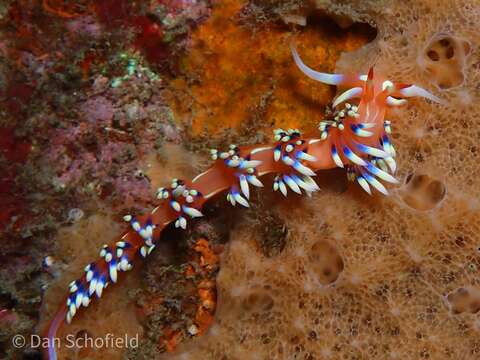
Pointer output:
355, 137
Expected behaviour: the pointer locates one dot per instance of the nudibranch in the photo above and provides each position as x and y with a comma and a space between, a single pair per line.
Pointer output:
355, 137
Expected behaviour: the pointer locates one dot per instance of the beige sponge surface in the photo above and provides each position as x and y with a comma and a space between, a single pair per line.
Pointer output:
376, 278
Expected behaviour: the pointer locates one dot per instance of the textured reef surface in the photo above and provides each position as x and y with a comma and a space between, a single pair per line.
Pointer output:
104, 101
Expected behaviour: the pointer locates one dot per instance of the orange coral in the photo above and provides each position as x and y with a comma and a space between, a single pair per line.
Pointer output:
206, 293
208, 257
58, 8
206, 288
236, 77
171, 339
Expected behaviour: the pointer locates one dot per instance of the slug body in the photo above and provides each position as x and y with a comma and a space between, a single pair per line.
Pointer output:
355, 138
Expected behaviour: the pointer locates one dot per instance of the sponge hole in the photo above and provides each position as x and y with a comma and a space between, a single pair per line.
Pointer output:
443, 60
444, 42
435, 192
258, 300
433, 55
326, 262
422, 192
465, 300
450, 52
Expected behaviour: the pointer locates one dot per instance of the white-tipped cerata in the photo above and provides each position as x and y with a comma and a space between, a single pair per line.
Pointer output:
336, 158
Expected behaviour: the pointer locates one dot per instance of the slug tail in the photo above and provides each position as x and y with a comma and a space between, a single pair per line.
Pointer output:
50, 352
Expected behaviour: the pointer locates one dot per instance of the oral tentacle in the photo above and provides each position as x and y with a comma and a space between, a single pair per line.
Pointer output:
330, 79
417, 91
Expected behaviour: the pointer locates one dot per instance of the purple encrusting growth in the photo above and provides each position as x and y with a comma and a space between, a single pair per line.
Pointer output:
98, 110
85, 26
88, 139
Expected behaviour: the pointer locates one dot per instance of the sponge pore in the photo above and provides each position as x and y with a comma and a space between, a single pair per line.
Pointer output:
326, 262
465, 300
257, 300
423, 192
443, 60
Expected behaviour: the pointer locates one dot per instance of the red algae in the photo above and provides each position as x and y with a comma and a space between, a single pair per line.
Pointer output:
71, 137
150, 40
114, 12
19, 96
15, 152
13, 148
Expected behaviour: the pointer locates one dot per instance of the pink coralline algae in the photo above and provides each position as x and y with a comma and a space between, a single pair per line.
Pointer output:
81, 159
85, 26
98, 110
68, 138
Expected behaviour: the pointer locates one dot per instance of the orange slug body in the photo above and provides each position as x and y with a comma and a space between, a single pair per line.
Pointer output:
355, 138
